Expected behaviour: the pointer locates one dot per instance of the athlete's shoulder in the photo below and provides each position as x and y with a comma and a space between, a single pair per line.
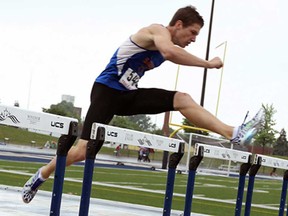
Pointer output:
154, 27
145, 36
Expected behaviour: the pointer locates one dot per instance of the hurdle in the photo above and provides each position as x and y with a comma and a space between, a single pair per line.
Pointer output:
210, 151
267, 161
46, 122
102, 132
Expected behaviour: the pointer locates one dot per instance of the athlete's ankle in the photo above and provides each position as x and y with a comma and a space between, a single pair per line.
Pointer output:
235, 132
43, 174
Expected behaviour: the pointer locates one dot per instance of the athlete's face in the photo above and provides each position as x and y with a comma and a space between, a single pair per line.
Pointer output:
185, 35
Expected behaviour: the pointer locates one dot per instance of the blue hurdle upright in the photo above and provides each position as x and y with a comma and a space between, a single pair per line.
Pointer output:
93, 147
283, 194
64, 144
252, 173
193, 165
212, 151
244, 168
174, 160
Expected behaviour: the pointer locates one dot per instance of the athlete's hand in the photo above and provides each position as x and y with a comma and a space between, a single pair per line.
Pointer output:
215, 63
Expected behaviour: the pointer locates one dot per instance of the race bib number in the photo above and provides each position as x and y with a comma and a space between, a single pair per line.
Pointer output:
130, 79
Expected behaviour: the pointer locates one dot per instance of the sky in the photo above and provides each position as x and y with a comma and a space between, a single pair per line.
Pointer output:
56, 47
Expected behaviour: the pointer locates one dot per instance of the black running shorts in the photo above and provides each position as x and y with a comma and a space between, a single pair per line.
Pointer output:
107, 102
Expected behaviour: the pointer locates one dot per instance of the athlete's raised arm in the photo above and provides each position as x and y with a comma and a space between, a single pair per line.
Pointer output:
171, 40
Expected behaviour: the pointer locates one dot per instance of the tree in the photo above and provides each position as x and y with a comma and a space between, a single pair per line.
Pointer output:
124, 122
190, 130
266, 136
139, 122
64, 109
281, 146
143, 121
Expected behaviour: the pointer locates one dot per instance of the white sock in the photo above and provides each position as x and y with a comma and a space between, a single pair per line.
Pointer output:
235, 132
40, 175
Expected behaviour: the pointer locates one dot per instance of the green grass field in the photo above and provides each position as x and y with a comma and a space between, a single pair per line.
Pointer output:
22, 136
213, 195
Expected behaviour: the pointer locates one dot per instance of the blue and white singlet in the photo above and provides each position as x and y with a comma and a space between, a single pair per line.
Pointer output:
128, 65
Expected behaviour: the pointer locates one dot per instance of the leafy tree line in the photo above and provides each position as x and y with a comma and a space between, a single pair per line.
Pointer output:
281, 144
136, 122
267, 136
63, 109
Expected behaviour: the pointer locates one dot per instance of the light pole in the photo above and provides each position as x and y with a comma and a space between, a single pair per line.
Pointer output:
207, 56
29, 89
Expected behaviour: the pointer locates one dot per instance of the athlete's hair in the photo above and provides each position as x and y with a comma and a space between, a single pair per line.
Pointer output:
188, 15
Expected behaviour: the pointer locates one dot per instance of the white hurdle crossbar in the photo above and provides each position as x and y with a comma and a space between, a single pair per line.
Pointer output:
271, 161
137, 138
15, 116
216, 152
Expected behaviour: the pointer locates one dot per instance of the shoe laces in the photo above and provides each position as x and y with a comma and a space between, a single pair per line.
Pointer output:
256, 120
243, 125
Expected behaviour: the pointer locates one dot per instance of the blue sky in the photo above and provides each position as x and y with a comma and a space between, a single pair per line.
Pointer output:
50, 48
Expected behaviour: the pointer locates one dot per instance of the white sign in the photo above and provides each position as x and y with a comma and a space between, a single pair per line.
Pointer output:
272, 162
15, 116
223, 153
136, 138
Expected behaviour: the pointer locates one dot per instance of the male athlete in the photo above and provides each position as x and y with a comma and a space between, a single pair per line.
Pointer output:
116, 92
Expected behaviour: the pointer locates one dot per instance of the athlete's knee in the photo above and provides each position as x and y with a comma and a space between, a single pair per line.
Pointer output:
183, 100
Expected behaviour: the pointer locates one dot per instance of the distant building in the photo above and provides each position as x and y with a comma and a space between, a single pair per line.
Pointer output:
71, 99
78, 110
68, 98
16, 104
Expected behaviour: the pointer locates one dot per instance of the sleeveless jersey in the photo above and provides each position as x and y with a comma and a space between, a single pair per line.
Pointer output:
128, 65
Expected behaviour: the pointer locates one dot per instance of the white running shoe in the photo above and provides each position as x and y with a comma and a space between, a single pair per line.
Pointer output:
247, 131
31, 187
